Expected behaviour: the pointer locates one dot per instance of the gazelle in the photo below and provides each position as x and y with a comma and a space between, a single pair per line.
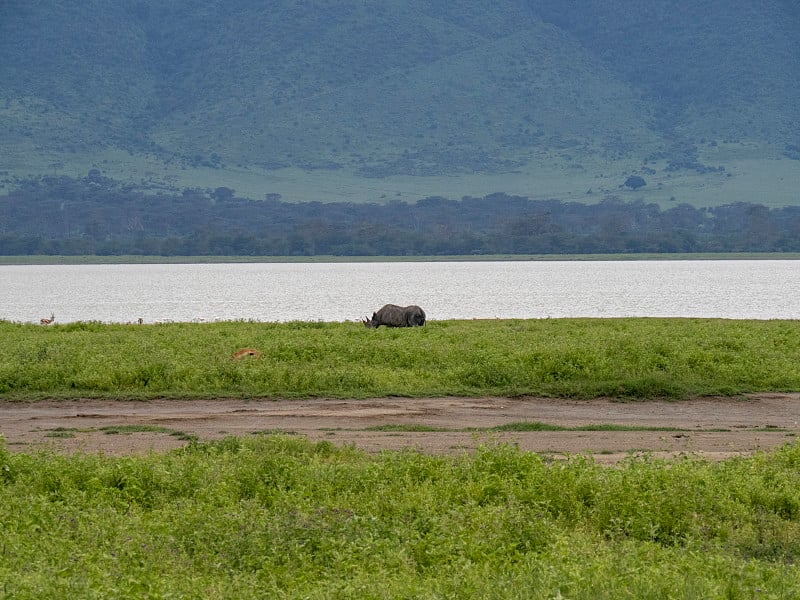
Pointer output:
46, 321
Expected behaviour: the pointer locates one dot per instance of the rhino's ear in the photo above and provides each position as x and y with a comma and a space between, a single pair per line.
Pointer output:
374, 315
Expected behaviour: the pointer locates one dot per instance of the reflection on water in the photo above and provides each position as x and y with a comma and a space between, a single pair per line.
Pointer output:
737, 289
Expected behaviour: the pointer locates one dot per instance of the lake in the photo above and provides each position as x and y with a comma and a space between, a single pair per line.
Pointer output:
734, 289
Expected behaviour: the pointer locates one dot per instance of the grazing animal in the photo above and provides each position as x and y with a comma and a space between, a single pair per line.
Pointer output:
46, 321
392, 315
240, 354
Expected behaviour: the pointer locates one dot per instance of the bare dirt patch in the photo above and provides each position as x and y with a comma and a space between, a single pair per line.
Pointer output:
715, 428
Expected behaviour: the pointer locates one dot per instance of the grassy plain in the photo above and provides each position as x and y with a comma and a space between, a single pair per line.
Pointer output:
583, 358
758, 175
283, 517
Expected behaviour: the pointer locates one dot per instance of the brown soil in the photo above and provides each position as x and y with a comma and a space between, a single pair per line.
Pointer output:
715, 428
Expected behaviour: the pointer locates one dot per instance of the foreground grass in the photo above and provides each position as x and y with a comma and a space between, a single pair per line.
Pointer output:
636, 358
282, 517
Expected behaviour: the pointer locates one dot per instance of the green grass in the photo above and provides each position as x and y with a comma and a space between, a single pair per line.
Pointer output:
282, 517
128, 429
279, 516
581, 358
69, 432
535, 426
60, 432
391, 427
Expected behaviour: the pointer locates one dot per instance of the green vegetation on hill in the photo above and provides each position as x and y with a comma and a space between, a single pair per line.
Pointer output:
428, 93
586, 358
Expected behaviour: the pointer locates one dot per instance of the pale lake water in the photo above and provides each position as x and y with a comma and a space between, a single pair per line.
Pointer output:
272, 292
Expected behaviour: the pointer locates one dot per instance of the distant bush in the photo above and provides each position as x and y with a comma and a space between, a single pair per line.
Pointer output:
635, 182
792, 151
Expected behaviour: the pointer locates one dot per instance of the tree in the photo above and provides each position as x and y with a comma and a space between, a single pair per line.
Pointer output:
634, 182
221, 194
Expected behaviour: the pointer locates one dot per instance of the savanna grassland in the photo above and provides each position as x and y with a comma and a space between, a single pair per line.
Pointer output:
580, 358
285, 517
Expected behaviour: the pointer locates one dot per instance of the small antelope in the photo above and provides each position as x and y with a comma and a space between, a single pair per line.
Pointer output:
240, 354
46, 321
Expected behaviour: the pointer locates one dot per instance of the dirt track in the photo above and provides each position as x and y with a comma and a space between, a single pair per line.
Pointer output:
713, 427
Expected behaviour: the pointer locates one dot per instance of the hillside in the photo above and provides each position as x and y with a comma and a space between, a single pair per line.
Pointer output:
355, 101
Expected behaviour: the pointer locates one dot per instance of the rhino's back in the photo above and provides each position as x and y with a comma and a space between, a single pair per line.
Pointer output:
393, 315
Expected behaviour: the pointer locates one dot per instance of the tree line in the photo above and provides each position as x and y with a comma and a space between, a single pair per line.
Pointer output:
60, 215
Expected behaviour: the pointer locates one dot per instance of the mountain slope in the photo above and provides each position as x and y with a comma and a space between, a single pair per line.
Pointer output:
208, 93
481, 109
724, 67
